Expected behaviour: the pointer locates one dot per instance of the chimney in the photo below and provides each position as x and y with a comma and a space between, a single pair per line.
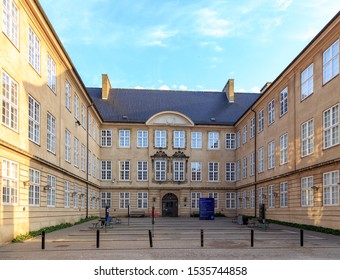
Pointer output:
106, 86
229, 90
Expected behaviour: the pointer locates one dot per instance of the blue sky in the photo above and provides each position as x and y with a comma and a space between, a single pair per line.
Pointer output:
186, 44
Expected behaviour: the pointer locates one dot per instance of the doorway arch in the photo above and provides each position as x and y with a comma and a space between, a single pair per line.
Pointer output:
170, 205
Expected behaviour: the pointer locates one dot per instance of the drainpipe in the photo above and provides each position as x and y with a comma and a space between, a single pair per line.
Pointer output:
255, 160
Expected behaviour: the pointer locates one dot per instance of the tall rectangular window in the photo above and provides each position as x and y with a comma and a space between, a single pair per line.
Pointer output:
260, 160
283, 194
68, 95
67, 197
106, 138
271, 155
331, 62
238, 139
142, 170
252, 164
124, 170
196, 171
196, 140
245, 137
238, 170
160, 139
307, 191
160, 170
75, 196
67, 146
230, 141
51, 191
271, 196
307, 82
83, 157
261, 196
213, 140
230, 171
76, 106
245, 199
214, 195
89, 162
213, 172
34, 190
307, 138
284, 149
271, 112
142, 200
245, 167
142, 139
252, 198
124, 200
230, 200
33, 120
331, 188
124, 138
106, 170
9, 102
195, 200
76, 152
51, 133
51, 74
105, 199
261, 120
33, 50
331, 127
83, 116
179, 139
252, 128
283, 102
94, 165
178, 173
10, 21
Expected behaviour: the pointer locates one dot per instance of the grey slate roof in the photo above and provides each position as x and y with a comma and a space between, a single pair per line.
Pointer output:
138, 105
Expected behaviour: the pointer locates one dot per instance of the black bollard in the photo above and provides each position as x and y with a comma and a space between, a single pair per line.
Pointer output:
43, 240
98, 235
301, 237
202, 238
150, 239
252, 238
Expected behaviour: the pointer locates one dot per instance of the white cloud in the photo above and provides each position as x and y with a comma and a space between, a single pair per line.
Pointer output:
157, 36
182, 87
138, 87
216, 47
283, 5
255, 89
164, 87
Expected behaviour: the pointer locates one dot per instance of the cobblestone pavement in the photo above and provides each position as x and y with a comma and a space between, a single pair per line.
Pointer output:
177, 239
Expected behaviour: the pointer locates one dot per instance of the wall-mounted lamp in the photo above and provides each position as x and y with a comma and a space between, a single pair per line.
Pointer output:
185, 199
264, 196
113, 180
276, 194
154, 199
315, 188
74, 194
78, 123
240, 198
93, 198
47, 187
27, 183
81, 195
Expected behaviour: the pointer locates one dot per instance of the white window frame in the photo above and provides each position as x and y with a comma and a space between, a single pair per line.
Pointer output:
83, 116
178, 170
76, 106
9, 100
245, 168
142, 200
252, 164
245, 134
284, 102
67, 146
271, 112
230, 171
33, 120
261, 120
106, 138
142, 139
33, 50
68, 95
196, 171
76, 152
252, 198
124, 170
179, 139
238, 139
307, 82
160, 139
67, 191
307, 138
214, 195
106, 170
252, 128
271, 196
51, 133
105, 199
271, 155
230, 141
196, 140
10, 182
10, 21
34, 188
83, 157
160, 170
307, 194
284, 149
284, 195
331, 62
51, 190
142, 170
261, 160
230, 200
195, 200
245, 199
51, 74
124, 138
331, 127
331, 188
213, 140
124, 200
213, 171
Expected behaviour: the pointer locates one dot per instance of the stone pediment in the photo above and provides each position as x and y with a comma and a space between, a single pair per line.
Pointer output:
170, 118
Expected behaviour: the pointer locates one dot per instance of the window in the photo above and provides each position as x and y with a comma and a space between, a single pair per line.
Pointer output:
261, 120
124, 200
106, 170
94, 165
331, 127
76, 106
142, 200
196, 140
271, 112
142, 170
238, 170
51, 74
10, 21
252, 164
179, 139
252, 127
307, 138
160, 139
195, 200
331, 62
142, 139
245, 199
245, 134
271, 155
230, 171
10, 181
106, 138
51, 133
75, 196
124, 170
68, 95
307, 82
160, 170
284, 149
83, 116
283, 102
178, 174
331, 188
76, 152
230, 200
33, 50
82, 197
238, 139
89, 162
213, 172
51, 190
196, 171
261, 196
261, 160
105, 199
307, 191
67, 146
271, 196
33, 120
238, 200
213, 140
67, 194
214, 195
245, 167
83, 159
124, 138
230, 141
284, 194
9, 102
34, 190
252, 198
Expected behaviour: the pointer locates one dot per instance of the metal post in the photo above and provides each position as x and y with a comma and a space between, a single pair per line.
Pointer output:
129, 215
153, 221
150, 239
98, 235
301, 237
43, 240
202, 239
252, 238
